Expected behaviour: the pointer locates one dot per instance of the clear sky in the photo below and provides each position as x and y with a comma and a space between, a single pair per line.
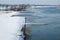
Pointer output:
53, 2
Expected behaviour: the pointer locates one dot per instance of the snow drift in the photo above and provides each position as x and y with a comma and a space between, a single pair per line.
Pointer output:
10, 27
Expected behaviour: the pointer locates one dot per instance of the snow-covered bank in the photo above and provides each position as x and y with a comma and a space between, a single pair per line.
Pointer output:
10, 27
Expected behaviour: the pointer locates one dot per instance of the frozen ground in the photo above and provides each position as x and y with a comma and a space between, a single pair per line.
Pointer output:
10, 27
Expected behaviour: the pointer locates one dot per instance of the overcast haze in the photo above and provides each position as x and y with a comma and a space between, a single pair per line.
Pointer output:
51, 2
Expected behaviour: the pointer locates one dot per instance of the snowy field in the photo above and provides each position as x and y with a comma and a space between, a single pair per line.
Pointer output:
10, 27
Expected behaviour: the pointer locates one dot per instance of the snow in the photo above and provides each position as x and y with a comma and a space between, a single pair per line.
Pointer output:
10, 27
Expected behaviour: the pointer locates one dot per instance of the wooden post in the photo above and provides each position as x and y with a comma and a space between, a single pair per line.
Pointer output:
24, 30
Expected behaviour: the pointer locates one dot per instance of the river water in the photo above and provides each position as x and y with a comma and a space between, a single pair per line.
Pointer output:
42, 23
47, 23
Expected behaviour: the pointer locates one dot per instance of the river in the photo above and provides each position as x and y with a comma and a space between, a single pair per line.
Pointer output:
44, 24
47, 21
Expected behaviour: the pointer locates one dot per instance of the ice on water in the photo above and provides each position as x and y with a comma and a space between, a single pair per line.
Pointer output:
10, 27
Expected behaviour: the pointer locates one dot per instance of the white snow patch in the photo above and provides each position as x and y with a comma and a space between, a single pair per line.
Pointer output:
10, 27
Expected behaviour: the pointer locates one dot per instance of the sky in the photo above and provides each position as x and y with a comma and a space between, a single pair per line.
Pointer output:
51, 2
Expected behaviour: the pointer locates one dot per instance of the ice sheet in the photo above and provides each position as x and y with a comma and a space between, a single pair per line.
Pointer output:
10, 27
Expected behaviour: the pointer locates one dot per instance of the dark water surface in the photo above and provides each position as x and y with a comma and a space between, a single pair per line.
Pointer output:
49, 23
